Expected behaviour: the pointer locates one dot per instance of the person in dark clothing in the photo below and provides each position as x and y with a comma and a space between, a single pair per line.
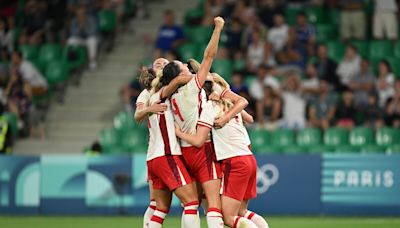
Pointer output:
372, 114
6, 139
392, 115
345, 111
326, 68
267, 11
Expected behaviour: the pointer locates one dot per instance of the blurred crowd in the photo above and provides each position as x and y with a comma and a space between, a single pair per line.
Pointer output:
287, 74
26, 26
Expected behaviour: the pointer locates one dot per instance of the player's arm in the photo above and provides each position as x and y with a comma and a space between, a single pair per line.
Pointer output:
247, 118
211, 51
196, 140
169, 89
142, 111
239, 103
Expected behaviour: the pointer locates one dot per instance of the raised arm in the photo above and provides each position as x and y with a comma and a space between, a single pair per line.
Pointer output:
239, 103
169, 89
196, 140
247, 118
211, 50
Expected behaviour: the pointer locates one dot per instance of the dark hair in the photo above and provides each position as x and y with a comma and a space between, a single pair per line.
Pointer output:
208, 88
170, 71
352, 46
18, 53
301, 14
146, 77
387, 64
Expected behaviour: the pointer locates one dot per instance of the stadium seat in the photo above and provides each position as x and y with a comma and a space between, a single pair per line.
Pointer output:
380, 49
362, 47
134, 141
259, 138
107, 20
361, 136
396, 50
124, 121
387, 136
199, 34
108, 139
56, 72
320, 149
40, 66
187, 51
49, 52
316, 15
194, 16
239, 64
293, 149
309, 137
223, 67
336, 137
29, 52
325, 32
393, 149
75, 56
334, 17
335, 50
282, 137
291, 14
373, 149
346, 149
394, 64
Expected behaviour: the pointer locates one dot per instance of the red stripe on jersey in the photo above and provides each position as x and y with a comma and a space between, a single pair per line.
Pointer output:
196, 78
204, 125
164, 134
200, 102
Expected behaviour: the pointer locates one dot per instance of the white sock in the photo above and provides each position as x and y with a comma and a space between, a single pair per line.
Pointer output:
191, 216
256, 219
149, 212
214, 218
157, 219
241, 222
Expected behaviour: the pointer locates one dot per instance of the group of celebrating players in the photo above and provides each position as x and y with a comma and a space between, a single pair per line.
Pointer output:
212, 162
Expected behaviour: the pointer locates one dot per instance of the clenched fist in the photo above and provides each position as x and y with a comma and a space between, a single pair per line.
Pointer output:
219, 22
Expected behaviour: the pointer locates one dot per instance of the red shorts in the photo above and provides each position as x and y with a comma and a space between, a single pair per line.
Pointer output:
202, 163
168, 172
239, 177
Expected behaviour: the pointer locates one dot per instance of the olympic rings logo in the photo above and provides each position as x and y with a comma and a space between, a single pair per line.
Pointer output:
267, 176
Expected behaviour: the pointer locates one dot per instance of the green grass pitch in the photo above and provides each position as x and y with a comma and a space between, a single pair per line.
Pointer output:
174, 222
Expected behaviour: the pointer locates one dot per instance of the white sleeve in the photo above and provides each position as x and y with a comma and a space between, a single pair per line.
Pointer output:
217, 88
143, 97
208, 115
194, 85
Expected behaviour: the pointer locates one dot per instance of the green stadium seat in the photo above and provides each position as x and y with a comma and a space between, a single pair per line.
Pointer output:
393, 149
336, 137
346, 149
107, 20
75, 56
260, 139
270, 149
387, 136
108, 139
362, 47
124, 121
380, 49
361, 136
309, 137
49, 52
249, 79
187, 51
291, 14
336, 50
293, 149
334, 17
199, 34
29, 52
134, 141
239, 64
40, 66
223, 67
325, 32
373, 149
56, 72
396, 50
320, 149
394, 64
12, 120
282, 137
194, 14
316, 15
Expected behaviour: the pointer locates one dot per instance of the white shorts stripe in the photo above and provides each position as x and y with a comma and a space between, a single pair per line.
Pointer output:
214, 171
181, 176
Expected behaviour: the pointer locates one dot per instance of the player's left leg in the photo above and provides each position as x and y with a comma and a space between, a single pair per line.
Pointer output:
163, 200
151, 208
211, 189
255, 218
230, 210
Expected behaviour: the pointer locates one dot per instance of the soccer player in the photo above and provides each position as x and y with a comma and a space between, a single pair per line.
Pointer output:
141, 113
232, 147
186, 106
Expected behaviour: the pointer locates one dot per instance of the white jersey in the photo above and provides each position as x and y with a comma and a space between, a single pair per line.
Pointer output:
186, 106
162, 132
143, 98
230, 141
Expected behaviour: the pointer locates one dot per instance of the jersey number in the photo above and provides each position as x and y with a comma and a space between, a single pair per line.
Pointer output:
176, 110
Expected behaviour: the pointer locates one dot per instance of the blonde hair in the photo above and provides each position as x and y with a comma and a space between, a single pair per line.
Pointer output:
194, 64
155, 84
220, 81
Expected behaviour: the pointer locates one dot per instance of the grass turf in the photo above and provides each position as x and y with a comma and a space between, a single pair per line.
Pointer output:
172, 222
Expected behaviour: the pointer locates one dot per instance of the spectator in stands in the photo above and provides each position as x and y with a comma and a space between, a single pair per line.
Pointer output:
392, 117
326, 67
29, 74
278, 34
91, 6
234, 35
267, 11
213, 8
349, 67
293, 54
385, 22
258, 53
352, 19
385, 82
372, 113
83, 31
244, 10
238, 86
305, 33
6, 36
170, 35
310, 86
269, 109
346, 112
362, 84
256, 87
34, 22
57, 12
322, 109
6, 138
294, 105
